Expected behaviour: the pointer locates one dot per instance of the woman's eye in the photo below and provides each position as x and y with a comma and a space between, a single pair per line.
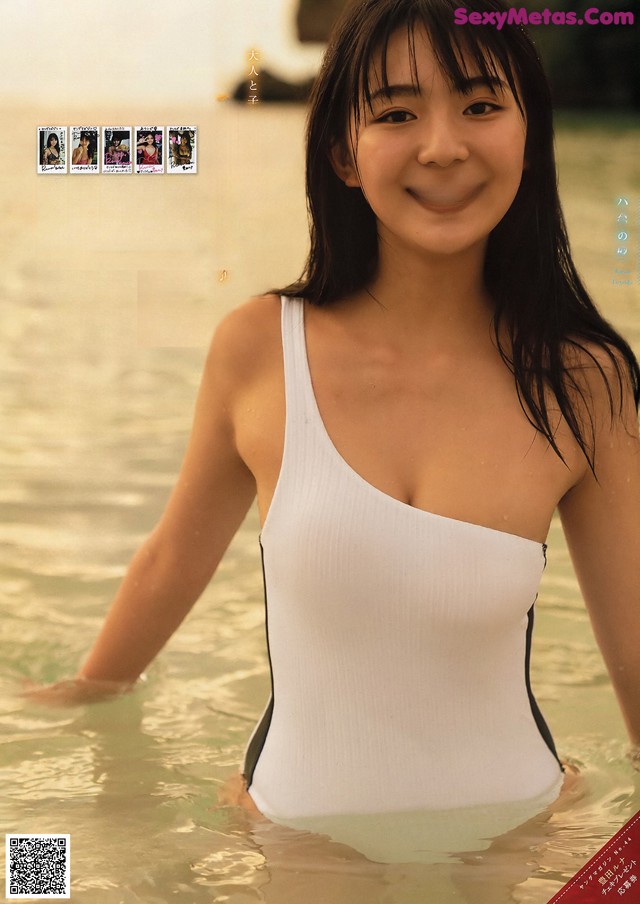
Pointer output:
395, 116
481, 107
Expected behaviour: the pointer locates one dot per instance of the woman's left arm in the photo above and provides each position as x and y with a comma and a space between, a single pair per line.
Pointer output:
601, 521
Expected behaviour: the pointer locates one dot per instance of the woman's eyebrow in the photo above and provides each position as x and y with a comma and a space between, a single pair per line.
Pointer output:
462, 86
392, 91
491, 82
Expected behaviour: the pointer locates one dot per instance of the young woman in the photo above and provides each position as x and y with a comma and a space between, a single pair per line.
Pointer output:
51, 152
116, 153
83, 154
181, 148
410, 414
147, 150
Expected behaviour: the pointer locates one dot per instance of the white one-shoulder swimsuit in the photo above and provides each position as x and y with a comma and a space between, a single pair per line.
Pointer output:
399, 642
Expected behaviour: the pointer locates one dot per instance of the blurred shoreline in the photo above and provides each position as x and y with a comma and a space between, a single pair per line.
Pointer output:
186, 249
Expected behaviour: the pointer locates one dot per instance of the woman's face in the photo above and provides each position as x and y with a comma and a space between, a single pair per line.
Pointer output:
149, 140
439, 168
53, 141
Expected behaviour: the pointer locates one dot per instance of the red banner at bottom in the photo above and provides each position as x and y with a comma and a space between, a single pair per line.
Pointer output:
612, 875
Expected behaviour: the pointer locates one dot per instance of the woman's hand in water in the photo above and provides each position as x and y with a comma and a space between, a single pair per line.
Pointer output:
633, 755
73, 691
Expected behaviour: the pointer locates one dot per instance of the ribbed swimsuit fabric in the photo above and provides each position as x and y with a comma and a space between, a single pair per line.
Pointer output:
399, 642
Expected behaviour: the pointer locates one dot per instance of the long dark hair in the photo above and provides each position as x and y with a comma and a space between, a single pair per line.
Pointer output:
47, 146
91, 147
540, 302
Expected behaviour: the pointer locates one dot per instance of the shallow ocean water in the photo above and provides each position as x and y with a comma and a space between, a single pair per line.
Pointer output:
102, 340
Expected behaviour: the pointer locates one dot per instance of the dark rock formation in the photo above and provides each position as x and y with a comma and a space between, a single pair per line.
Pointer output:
316, 17
314, 22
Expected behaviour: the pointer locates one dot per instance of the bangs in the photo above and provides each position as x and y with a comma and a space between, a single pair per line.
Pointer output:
457, 49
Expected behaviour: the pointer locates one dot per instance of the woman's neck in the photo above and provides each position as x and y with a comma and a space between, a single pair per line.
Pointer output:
439, 295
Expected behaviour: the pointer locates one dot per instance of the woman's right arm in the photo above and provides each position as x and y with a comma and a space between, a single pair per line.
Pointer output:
171, 569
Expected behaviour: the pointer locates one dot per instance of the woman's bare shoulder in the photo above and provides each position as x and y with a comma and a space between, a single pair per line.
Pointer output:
247, 339
599, 369
248, 320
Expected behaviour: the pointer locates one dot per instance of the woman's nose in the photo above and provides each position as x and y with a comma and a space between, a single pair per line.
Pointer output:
442, 141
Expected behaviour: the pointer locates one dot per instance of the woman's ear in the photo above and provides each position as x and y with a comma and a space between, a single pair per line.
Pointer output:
343, 164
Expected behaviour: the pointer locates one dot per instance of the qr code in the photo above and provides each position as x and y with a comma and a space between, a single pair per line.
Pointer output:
38, 866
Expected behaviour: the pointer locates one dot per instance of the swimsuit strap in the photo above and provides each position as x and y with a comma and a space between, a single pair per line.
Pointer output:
302, 412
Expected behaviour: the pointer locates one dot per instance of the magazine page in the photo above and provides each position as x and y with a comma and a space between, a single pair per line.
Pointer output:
332, 691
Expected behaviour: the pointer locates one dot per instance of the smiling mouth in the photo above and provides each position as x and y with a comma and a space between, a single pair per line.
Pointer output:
445, 203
